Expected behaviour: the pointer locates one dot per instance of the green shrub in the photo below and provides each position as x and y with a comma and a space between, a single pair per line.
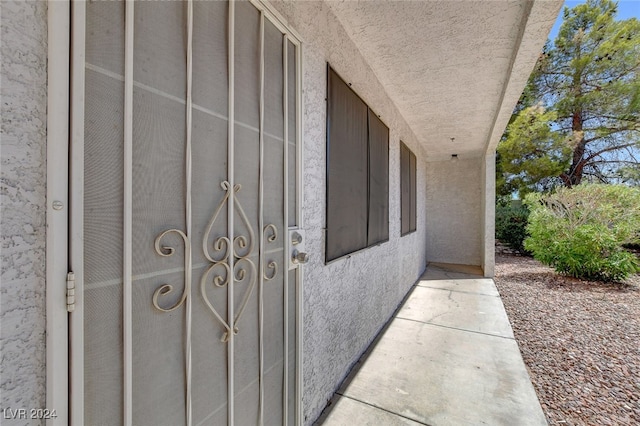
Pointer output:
634, 244
511, 225
581, 231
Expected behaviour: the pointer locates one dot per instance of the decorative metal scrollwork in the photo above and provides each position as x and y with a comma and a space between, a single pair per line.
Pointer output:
221, 254
272, 265
220, 245
167, 251
241, 249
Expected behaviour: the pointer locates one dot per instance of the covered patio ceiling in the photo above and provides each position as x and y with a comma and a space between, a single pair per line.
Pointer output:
454, 69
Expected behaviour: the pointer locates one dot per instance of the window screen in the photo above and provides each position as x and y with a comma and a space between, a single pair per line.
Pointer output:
407, 189
378, 180
357, 172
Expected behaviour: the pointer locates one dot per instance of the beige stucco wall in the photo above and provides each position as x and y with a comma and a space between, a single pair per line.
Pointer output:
23, 55
454, 211
349, 300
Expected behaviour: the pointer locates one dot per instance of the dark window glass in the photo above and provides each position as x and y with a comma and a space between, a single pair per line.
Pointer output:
357, 172
407, 190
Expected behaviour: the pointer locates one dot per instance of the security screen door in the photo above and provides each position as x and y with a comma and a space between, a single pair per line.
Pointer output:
190, 137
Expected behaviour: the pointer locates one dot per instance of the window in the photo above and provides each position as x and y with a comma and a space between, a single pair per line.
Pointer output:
357, 172
407, 190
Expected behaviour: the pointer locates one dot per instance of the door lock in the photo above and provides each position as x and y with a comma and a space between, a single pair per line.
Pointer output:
296, 238
298, 257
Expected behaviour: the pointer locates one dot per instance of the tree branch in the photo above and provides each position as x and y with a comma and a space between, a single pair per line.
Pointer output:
608, 149
614, 131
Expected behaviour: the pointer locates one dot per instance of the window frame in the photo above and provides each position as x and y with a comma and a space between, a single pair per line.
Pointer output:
408, 185
381, 235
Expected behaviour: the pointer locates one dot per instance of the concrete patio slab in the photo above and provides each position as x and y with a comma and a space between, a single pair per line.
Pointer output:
457, 309
443, 376
457, 277
439, 277
447, 358
349, 412
448, 270
479, 286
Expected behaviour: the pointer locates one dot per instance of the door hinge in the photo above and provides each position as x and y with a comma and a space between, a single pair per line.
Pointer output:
71, 291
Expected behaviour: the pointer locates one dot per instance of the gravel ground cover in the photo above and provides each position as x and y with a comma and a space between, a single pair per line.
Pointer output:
580, 341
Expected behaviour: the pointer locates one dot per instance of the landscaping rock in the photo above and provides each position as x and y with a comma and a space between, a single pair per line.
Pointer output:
579, 339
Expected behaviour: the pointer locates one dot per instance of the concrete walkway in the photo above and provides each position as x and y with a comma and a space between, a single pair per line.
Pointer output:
448, 357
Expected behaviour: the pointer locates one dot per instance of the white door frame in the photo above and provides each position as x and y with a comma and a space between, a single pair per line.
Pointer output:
57, 211
65, 167
76, 213
294, 37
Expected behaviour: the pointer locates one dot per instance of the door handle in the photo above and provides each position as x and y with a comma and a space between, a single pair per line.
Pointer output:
299, 257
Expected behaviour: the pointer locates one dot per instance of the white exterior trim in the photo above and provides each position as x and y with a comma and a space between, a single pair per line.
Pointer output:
488, 221
57, 220
261, 232
76, 212
285, 196
277, 19
300, 225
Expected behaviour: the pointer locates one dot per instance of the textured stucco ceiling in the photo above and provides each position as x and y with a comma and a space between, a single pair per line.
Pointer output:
454, 69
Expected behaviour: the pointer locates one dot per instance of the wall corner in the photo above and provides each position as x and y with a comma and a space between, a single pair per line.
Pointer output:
489, 214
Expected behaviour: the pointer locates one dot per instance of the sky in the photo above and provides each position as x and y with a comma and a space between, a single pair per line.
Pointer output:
626, 9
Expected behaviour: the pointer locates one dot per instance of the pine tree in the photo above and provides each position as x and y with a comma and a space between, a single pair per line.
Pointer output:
579, 117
